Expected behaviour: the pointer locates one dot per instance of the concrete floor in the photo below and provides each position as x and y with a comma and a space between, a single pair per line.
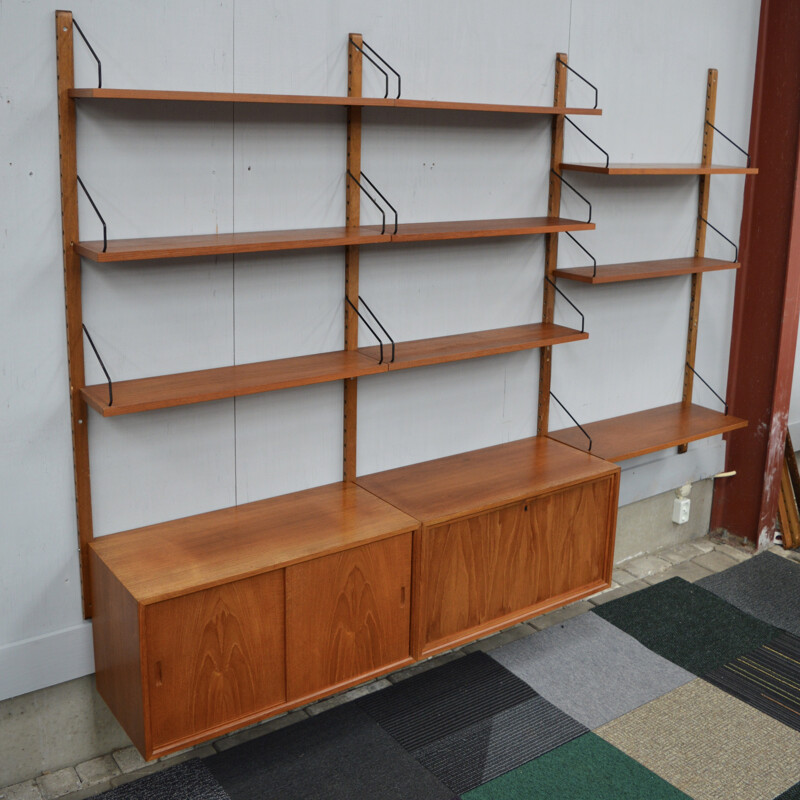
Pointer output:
690, 561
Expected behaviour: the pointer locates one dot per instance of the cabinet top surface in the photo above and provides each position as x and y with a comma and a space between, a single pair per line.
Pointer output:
185, 555
437, 491
319, 100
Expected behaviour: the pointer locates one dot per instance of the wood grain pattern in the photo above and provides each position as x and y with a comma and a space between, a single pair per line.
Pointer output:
73, 298
510, 561
647, 431
476, 344
438, 491
642, 270
306, 238
193, 553
347, 614
215, 656
312, 100
117, 654
660, 169
184, 388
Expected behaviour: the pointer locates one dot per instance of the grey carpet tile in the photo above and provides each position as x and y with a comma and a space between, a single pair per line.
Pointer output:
428, 707
190, 780
766, 586
590, 669
484, 750
767, 679
341, 754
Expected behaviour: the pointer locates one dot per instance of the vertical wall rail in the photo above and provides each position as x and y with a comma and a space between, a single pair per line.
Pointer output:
352, 220
551, 241
700, 241
72, 294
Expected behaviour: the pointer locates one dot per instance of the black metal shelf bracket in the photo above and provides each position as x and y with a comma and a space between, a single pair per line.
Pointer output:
588, 83
370, 328
583, 319
586, 136
91, 50
374, 201
735, 246
103, 366
377, 65
709, 387
582, 429
594, 260
728, 138
96, 211
567, 183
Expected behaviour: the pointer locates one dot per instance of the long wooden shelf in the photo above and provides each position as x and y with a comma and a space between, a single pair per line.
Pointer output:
660, 169
644, 432
476, 344
304, 238
179, 389
166, 391
438, 491
192, 553
641, 270
319, 100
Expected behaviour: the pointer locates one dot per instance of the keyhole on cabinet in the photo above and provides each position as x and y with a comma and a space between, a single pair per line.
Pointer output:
402, 595
159, 677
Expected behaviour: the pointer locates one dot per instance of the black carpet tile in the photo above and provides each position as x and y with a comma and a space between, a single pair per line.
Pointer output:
427, 707
766, 586
767, 678
342, 754
470, 757
792, 793
687, 624
188, 781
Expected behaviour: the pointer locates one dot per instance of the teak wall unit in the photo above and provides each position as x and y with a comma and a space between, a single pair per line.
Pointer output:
211, 622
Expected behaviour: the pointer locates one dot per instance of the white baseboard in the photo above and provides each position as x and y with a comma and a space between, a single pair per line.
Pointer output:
46, 660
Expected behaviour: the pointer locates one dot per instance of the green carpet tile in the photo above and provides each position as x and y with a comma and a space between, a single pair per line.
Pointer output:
587, 768
686, 624
766, 586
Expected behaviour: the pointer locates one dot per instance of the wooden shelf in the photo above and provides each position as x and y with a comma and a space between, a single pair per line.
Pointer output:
437, 491
641, 270
648, 431
461, 346
193, 553
304, 238
165, 391
319, 100
659, 169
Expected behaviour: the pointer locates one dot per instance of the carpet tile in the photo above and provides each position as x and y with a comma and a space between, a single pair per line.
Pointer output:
342, 754
766, 586
590, 669
709, 745
768, 679
190, 780
587, 768
687, 624
425, 708
792, 793
469, 757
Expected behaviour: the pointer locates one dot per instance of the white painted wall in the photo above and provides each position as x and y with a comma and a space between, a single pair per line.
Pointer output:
157, 169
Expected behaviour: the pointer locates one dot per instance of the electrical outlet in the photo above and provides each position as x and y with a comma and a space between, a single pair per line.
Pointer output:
680, 510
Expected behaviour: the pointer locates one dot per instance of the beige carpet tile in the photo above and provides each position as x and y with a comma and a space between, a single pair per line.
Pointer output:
709, 744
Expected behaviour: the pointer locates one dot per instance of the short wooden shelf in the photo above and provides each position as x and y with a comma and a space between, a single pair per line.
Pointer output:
306, 238
186, 555
641, 270
319, 100
648, 431
166, 391
435, 492
461, 346
660, 169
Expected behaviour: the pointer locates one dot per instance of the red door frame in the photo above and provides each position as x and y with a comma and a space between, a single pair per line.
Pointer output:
767, 299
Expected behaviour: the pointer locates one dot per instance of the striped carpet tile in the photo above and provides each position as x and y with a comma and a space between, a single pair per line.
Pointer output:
767, 678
